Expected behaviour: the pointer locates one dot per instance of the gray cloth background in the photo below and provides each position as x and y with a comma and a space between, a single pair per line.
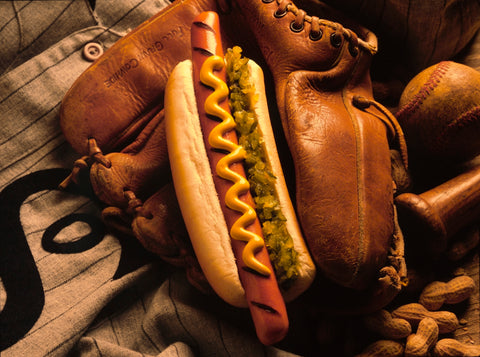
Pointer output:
66, 286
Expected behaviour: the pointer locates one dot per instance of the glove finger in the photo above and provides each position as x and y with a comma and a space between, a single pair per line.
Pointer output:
117, 220
159, 226
141, 168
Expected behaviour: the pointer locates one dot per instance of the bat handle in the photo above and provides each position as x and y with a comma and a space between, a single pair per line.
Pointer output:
431, 218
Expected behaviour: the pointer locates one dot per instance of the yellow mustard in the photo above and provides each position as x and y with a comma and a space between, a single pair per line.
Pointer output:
235, 153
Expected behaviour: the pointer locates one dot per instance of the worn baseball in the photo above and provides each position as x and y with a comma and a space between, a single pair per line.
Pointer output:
440, 113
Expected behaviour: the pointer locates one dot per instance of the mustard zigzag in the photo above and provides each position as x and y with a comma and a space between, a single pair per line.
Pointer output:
235, 153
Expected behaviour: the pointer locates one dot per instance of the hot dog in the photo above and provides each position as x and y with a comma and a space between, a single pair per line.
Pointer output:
223, 212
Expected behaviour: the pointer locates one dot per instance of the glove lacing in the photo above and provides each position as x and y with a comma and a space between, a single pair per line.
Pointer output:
94, 155
316, 24
396, 254
390, 121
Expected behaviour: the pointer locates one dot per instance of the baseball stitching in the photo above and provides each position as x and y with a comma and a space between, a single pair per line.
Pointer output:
473, 115
409, 109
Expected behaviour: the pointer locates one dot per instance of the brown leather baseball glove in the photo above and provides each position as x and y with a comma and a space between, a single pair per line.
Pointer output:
340, 139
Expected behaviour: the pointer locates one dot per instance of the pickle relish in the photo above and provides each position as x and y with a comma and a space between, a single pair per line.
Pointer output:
242, 100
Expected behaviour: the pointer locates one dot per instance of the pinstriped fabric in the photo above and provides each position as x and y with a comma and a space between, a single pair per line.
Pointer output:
30, 27
33, 119
173, 312
52, 286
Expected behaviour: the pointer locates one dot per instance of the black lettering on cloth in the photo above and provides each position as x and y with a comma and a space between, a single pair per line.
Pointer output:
81, 245
18, 271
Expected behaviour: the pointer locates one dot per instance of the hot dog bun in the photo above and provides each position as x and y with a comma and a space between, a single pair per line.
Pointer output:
195, 188
198, 198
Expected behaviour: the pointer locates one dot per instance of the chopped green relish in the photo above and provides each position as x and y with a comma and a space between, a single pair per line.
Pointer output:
278, 241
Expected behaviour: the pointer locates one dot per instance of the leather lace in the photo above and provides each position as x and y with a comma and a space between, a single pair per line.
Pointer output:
316, 25
390, 121
94, 155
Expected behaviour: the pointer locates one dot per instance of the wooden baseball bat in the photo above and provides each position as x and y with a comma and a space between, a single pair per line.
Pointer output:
430, 219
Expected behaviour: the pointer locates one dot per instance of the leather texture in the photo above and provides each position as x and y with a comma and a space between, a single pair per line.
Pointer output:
113, 115
341, 152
